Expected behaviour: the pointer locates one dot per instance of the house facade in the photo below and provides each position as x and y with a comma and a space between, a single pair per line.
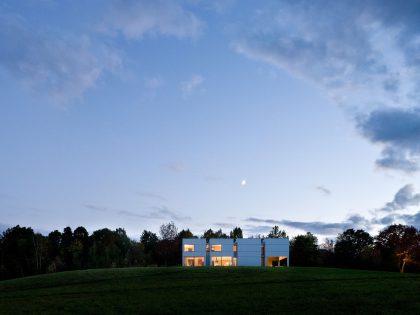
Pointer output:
270, 252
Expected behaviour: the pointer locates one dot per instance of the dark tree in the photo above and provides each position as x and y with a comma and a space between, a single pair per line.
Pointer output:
168, 246
80, 248
326, 253
136, 255
304, 250
220, 234
66, 248
18, 252
168, 231
236, 233
149, 240
399, 246
277, 233
352, 248
103, 250
185, 234
208, 234
53, 251
41, 252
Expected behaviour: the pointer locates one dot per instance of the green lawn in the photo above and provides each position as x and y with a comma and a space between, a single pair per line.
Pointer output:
213, 290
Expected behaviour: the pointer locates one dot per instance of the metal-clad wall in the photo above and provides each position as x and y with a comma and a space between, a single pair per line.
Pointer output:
276, 247
249, 251
227, 247
199, 248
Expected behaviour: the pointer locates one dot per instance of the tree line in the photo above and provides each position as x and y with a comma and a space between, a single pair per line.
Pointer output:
24, 252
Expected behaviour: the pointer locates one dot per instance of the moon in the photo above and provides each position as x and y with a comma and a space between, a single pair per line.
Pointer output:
243, 182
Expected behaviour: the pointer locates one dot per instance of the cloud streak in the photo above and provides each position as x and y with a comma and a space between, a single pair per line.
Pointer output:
190, 85
137, 19
399, 131
323, 190
156, 213
152, 195
404, 198
363, 54
316, 227
62, 66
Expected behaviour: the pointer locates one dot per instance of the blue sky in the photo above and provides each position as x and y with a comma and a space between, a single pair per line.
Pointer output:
211, 114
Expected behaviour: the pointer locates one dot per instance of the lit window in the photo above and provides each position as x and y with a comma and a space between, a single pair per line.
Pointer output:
194, 261
221, 261
189, 261
235, 248
199, 261
188, 248
216, 248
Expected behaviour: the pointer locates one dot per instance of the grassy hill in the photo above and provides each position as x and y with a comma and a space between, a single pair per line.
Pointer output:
213, 290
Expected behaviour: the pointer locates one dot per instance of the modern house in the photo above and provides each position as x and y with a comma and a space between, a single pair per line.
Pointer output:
270, 252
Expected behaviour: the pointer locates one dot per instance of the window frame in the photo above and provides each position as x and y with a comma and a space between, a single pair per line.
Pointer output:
189, 246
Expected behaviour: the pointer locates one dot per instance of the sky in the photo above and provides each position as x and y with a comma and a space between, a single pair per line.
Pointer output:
212, 114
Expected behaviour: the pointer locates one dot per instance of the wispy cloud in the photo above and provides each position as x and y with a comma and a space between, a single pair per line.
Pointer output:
164, 212
152, 195
314, 227
408, 219
224, 225
399, 131
96, 208
190, 85
153, 83
323, 190
363, 54
61, 66
177, 167
156, 213
404, 198
140, 18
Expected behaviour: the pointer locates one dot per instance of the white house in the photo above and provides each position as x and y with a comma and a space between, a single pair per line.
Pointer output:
270, 252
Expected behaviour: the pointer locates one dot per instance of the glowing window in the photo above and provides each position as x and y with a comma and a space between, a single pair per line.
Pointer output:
276, 261
216, 248
221, 261
188, 248
194, 261
235, 261
199, 261
235, 248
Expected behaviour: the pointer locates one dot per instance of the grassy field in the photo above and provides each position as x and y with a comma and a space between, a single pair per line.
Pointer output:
213, 290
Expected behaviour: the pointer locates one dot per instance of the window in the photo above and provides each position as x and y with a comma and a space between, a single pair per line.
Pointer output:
221, 261
235, 248
216, 248
188, 248
194, 261
189, 261
199, 261
276, 261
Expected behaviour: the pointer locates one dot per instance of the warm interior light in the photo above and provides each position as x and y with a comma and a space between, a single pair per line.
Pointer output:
221, 261
216, 248
188, 248
194, 261
276, 261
